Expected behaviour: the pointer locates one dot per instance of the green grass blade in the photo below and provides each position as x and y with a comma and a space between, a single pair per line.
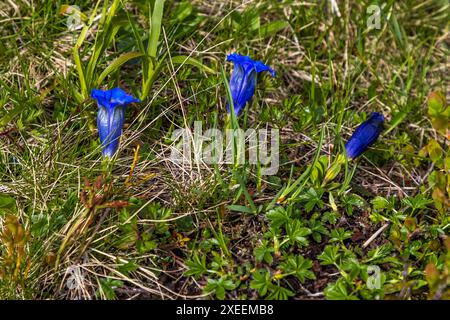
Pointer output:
193, 62
155, 28
117, 63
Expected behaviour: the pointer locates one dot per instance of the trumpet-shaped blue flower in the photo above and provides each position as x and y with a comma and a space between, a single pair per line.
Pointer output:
111, 116
365, 135
243, 80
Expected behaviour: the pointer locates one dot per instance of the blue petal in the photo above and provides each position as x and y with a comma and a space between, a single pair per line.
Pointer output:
243, 60
365, 135
112, 98
102, 97
102, 123
111, 116
242, 87
243, 80
120, 97
116, 118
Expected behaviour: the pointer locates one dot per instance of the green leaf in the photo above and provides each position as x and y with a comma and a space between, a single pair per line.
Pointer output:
182, 11
146, 245
117, 63
196, 266
109, 26
279, 293
191, 61
6, 118
397, 118
436, 103
264, 253
317, 229
7, 202
297, 233
40, 224
380, 203
339, 235
438, 111
261, 281
397, 30
351, 201
273, 27
108, 287
332, 172
313, 197
219, 286
238, 208
329, 255
155, 28
128, 267
338, 291
318, 170
378, 253
330, 217
418, 202
435, 151
278, 217
298, 266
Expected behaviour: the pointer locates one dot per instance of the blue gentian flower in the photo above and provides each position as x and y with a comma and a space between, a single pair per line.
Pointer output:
111, 116
243, 80
365, 135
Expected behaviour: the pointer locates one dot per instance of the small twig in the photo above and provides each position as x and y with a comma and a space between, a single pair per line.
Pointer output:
97, 228
376, 234
309, 293
425, 177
